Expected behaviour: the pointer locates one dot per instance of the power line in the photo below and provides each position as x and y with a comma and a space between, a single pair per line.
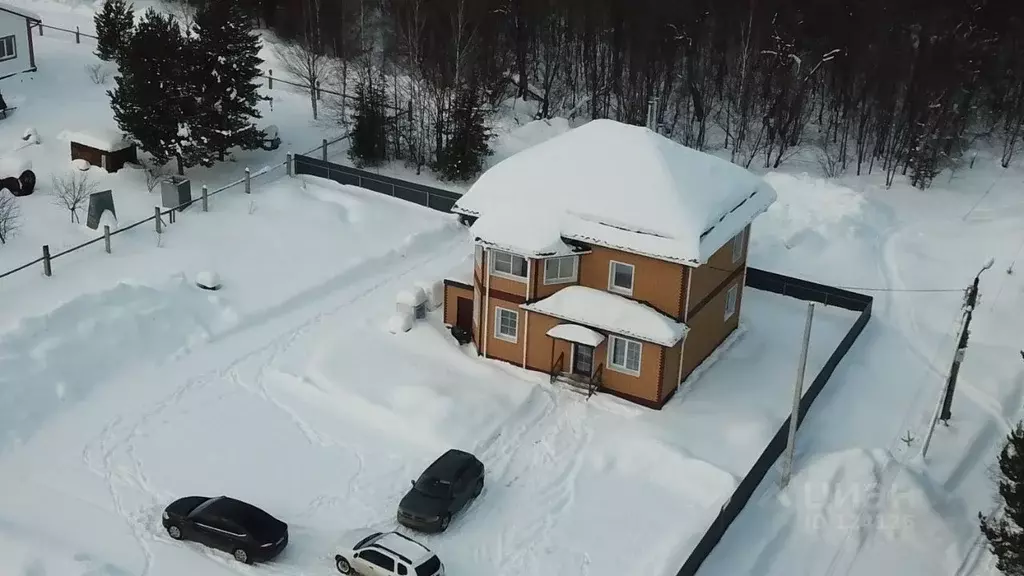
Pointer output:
867, 289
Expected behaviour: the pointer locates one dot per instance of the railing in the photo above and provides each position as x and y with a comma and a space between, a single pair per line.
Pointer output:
158, 213
557, 366
77, 32
595, 381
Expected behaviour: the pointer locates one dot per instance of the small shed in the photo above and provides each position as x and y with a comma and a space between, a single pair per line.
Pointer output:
108, 150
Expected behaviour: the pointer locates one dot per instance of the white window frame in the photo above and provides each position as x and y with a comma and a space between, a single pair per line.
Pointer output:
494, 260
479, 255
731, 300
497, 325
737, 246
476, 305
575, 260
622, 368
4, 56
611, 278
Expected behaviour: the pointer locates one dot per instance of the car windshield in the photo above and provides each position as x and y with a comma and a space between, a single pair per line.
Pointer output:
433, 487
428, 568
199, 509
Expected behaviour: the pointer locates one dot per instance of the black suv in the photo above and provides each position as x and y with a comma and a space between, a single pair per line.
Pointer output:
444, 488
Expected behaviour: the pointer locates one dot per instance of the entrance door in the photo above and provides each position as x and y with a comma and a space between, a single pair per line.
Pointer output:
464, 313
583, 360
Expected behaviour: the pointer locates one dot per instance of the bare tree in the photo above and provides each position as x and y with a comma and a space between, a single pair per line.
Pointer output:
307, 63
10, 214
73, 190
183, 11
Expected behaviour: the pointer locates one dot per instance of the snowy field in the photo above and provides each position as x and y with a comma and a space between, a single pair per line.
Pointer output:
123, 386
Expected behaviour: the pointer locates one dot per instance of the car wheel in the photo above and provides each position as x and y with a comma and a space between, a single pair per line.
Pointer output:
479, 488
343, 566
445, 521
174, 532
242, 556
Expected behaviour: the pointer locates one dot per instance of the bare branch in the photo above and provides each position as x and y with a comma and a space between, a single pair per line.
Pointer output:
72, 190
10, 215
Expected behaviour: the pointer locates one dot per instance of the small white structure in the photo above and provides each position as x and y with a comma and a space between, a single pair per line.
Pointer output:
400, 322
412, 302
207, 280
17, 54
434, 292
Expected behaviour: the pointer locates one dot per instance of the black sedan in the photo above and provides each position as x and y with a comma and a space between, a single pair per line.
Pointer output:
240, 529
444, 488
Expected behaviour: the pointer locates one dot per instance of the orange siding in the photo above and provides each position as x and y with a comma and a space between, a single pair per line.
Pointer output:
450, 306
708, 327
645, 385
541, 290
497, 347
707, 277
544, 349
671, 372
656, 282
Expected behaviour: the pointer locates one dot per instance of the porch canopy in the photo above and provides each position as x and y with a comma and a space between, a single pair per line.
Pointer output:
577, 334
610, 313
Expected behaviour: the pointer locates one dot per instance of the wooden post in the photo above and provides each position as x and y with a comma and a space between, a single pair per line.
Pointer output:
156, 214
248, 188
798, 392
206, 199
40, 29
270, 79
323, 145
78, 35
106, 238
288, 164
47, 270
319, 96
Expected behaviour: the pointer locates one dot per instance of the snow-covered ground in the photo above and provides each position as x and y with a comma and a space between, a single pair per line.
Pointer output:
124, 386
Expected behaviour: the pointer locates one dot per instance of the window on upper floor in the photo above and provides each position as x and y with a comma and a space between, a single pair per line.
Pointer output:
560, 270
737, 246
508, 265
620, 277
8, 48
624, 355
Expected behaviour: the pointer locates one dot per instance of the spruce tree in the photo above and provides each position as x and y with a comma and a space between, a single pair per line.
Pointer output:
1005, 536
463, 155
227, 59
368, 138
115, 23
154, 98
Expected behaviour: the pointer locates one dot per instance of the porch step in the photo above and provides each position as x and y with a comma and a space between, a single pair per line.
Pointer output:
574, 383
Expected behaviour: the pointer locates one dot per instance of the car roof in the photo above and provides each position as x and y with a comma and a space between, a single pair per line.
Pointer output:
407, 549
238, 511
449, 464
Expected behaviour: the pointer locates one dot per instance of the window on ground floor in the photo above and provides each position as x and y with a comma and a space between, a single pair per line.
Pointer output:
506, 324
624, 355
507, 264
560, 270
730, 300
8, 48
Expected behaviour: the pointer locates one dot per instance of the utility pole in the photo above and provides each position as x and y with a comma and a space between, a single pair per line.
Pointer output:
798, 392
942, 410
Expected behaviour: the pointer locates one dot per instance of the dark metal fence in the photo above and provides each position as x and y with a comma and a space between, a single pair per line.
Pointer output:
803, 290
436, 198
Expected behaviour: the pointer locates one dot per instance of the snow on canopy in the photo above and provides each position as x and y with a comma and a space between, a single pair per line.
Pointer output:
106, 140
611, 313
619, 186
20, 12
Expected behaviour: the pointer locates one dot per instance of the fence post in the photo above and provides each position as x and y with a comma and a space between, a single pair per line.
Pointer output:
156, 214
206, 199
248, 189
288, 164
323, 144
78, 35
47, 270
270, 79
106, 238
40, 29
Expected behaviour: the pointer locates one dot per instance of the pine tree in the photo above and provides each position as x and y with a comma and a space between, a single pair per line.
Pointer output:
228, 67
368, 138
115, 23
1005, 536
154, 100
463, 155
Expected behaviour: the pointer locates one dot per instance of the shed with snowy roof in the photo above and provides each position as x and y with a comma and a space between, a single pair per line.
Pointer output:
104, 148
17, 52
610, 257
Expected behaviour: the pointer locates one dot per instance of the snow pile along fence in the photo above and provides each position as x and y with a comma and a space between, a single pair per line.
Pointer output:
802, 290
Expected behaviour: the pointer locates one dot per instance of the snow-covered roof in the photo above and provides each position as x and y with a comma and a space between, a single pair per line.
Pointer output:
576, 333
611, 313
108, 140
619, 186
19, 11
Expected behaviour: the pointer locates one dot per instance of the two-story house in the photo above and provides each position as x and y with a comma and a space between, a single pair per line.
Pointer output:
610, 255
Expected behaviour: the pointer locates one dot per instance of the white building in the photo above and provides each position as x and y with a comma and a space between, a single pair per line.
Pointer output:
17, 54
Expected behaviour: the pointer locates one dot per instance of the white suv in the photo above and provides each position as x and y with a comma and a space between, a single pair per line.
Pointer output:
387, 554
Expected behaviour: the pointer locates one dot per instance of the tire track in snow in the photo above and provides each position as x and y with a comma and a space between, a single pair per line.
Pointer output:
440, 244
